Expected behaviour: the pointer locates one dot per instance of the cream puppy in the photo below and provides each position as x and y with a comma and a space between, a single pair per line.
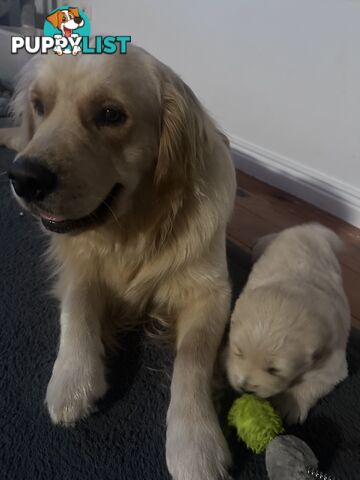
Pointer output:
290, 326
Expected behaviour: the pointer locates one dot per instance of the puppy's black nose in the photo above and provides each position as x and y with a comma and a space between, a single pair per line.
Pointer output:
78, 20
246, 390
31, 180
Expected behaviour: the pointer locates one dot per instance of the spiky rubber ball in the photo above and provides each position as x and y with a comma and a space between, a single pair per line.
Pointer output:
255, 421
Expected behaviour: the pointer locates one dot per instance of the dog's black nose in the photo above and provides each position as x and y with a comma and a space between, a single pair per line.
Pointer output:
31, 180
78, 20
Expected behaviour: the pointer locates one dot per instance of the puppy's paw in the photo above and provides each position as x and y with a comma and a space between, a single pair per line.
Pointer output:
290, 407
58, 50
76, 50
196, 449
74, 389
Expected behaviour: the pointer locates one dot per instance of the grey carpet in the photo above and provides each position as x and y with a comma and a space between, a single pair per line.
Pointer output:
125, 439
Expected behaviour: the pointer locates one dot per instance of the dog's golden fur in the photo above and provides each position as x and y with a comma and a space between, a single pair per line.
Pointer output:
161, 250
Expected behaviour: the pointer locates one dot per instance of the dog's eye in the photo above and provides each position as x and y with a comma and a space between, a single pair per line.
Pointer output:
110, 116
273, 371
38, 106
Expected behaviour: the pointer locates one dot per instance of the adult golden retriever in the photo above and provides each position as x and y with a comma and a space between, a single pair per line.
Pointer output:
120, 162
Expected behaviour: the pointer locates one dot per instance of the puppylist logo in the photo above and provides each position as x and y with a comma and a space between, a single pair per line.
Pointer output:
67, 31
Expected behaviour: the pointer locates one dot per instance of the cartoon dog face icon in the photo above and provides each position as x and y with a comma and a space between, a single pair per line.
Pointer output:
66, 21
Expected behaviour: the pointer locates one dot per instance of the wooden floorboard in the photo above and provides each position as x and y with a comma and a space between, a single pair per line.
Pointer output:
261, 209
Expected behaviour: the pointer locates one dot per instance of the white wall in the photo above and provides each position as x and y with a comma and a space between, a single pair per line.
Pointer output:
282, 77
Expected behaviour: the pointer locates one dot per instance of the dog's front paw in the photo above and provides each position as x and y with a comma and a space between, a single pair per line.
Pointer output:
73, 390
290, 407
76, 49
58, 50
196, 449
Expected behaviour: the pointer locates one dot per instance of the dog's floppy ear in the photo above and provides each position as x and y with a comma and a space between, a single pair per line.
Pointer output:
182, 132
55, 18
74, 11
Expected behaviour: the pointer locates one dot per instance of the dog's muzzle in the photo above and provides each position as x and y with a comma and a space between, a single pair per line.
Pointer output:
58, 224
32, 181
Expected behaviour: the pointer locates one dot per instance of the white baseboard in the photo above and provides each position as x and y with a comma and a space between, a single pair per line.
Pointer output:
325, 192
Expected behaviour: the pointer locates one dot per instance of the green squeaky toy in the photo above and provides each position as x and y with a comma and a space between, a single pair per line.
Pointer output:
260, 427
256, 422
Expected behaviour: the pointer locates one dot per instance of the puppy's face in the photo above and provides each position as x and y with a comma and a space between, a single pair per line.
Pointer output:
267, 350
66, 19
97, 129
253, 367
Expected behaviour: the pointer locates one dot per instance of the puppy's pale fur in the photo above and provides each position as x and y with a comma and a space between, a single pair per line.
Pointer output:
290, 325
161, 250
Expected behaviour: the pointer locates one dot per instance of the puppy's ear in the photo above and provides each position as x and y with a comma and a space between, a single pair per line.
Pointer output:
55, 18
74, 11
317, 346
182, 132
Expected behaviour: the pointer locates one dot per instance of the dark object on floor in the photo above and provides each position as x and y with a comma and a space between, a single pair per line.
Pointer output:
125, 440
288, 457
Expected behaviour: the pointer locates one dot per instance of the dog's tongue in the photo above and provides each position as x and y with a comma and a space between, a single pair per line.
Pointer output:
67, 32
52, 218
